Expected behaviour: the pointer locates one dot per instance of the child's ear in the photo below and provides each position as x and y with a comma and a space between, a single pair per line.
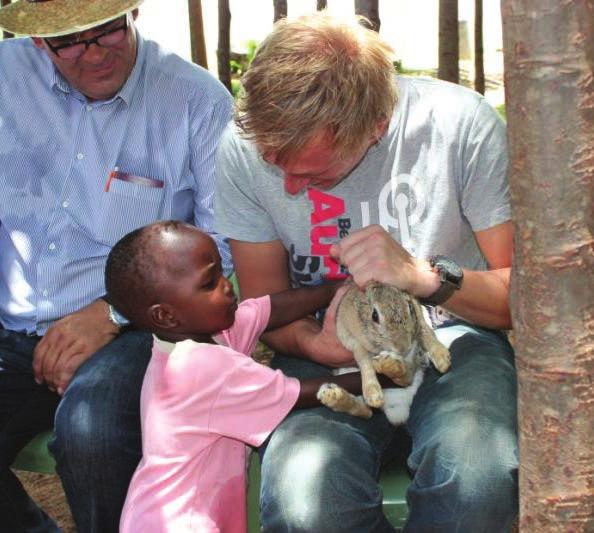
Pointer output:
162, 316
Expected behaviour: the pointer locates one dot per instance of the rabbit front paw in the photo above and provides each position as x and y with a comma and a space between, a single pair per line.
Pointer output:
331, 394
338, 399
373, 395
392, 365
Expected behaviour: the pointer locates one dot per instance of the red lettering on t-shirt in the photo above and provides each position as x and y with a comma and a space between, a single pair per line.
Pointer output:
322, 232
325, 206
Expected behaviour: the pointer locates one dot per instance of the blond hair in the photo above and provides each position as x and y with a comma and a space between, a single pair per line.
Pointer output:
317, 75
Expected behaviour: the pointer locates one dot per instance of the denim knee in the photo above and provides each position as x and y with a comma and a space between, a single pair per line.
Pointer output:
320, 474
99, 415
464, 430
467, 480
97, 441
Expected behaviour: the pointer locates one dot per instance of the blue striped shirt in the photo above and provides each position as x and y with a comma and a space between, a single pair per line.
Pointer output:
57, 222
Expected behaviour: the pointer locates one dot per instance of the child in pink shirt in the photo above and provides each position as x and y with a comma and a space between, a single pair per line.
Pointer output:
203, 397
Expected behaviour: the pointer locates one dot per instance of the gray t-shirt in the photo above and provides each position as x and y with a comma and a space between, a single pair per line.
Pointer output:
438, 175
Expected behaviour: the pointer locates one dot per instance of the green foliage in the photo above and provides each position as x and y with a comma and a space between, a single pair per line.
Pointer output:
252, 46
401, 69
235, 87
501, 110
239, 63
235, 66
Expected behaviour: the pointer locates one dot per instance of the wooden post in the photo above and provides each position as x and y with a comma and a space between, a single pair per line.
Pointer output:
321, 4
479, 63
370, 10
224, 45
280, 9
449, 46
549, 86
197, 40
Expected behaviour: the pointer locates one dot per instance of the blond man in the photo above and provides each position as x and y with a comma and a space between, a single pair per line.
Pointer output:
335, 164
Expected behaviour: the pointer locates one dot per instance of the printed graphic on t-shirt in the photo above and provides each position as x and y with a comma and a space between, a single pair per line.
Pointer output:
400, 205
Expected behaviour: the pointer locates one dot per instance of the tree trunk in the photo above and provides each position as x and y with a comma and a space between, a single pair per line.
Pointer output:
479, 64
549, 85
197, 41
370, 10
5, 34
449, 47
224, 45
321, 4
280, 9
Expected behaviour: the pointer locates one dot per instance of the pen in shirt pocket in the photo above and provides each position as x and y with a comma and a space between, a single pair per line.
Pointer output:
115, 174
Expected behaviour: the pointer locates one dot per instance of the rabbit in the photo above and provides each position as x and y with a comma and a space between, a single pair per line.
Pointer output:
385, 329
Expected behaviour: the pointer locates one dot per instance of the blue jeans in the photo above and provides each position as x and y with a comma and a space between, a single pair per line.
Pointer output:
320, 469
97, 441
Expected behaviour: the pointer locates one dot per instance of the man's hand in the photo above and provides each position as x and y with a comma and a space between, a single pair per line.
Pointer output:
325, 346
69, 342
372, 254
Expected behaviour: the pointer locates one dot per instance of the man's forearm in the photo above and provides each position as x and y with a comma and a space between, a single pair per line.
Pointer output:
483, 299
293, 339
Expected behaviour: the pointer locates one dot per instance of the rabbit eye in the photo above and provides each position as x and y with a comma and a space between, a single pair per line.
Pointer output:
375, 316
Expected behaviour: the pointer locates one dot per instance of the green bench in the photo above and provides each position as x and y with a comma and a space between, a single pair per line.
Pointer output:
394, 481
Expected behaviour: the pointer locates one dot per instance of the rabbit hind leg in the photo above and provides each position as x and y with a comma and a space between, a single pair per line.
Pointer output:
339, 399
438, 354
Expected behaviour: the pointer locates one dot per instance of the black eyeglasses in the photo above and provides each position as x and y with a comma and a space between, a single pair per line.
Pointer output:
75, 49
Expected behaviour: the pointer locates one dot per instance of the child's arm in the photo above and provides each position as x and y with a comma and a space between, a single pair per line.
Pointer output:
351, 382
293, 304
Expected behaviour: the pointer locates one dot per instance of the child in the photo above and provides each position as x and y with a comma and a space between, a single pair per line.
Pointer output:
203, 397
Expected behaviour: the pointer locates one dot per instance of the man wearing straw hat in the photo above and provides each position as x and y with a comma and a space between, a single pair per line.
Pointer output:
101, 132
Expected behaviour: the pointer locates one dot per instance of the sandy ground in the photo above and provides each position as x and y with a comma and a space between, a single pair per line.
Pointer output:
47, 491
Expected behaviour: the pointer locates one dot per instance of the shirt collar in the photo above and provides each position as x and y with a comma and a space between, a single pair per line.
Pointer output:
126, 92
164, 346
167, 347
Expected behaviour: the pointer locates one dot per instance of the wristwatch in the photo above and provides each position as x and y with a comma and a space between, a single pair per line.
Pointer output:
450, 276
115, 317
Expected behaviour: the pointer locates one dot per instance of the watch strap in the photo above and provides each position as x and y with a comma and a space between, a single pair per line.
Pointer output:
115, 317
442, 294
450, 276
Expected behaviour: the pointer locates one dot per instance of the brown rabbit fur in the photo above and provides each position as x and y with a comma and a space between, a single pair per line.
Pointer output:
385, 329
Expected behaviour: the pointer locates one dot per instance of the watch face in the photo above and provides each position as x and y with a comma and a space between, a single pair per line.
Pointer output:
451, 270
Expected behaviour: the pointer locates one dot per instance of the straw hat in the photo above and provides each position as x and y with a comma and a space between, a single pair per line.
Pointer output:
52, 18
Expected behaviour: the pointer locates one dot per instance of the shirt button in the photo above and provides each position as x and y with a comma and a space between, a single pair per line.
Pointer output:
52, 246
89, 108
79, 156
65, 204
45, 293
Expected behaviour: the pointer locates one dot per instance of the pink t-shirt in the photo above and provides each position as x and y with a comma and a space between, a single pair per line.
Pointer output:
199, 404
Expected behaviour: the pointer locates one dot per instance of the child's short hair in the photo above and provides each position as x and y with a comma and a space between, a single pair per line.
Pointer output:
134, 270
